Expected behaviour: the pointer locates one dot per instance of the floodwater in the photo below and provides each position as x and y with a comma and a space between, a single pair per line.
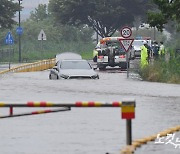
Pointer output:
85, 130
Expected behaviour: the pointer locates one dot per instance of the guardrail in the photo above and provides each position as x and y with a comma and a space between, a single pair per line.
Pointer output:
127, 111
31, 67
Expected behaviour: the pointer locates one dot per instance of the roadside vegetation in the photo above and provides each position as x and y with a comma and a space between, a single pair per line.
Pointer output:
60, 38
163, 71
68, 31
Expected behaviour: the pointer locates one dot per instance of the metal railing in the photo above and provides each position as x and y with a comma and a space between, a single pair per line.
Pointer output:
31, 67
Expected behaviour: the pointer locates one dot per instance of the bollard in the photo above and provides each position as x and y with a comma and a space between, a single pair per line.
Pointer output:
128, 113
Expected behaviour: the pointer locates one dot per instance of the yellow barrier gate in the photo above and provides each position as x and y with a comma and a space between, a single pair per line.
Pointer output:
128, 110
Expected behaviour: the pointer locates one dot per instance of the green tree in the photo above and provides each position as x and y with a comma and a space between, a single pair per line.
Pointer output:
40, 13
168, 11
7, 12
104, 16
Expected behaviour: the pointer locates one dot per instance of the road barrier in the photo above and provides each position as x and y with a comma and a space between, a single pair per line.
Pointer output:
31, 67
128, 110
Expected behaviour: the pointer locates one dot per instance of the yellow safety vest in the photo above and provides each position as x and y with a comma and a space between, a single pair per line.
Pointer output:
162, 50
95, 53
144, 56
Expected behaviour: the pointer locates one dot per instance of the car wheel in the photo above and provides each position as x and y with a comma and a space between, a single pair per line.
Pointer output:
124, 66
97, 77
50, 77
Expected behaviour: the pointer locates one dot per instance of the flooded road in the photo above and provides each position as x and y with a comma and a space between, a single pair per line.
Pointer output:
89, 130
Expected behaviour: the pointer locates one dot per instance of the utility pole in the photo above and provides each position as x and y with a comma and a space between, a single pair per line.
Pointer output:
19, 34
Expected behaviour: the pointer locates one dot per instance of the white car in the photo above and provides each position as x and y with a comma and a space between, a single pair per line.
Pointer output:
73, 69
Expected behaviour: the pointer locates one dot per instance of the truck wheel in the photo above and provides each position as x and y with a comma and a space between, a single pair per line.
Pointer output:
124, 65
102, 68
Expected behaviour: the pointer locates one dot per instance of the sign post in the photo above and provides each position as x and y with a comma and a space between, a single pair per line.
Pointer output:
42, 37
126, 43
9, 41
128, 113
19, 31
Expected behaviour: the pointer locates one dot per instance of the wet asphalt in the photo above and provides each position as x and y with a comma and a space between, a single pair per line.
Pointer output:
90, 130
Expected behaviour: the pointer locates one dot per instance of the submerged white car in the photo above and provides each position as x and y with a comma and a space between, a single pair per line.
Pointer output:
73, 69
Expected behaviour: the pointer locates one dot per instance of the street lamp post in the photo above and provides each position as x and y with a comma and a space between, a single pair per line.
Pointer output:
20, 34
154, 33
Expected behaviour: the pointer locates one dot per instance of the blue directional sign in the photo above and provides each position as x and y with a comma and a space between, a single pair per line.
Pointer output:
19, 30
9, 39
138, 37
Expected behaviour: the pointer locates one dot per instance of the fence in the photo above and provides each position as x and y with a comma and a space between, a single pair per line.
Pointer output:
31, 67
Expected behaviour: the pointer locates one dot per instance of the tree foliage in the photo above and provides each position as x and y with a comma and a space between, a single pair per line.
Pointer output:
104, 16
168, 11
7, 11
40, 13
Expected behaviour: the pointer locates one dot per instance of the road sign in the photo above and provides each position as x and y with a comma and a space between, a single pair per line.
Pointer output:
9, 39
42, 35
126, 43
128, 110
19, 30
126, 32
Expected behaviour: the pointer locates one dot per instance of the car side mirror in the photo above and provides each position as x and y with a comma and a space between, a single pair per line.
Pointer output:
94, 68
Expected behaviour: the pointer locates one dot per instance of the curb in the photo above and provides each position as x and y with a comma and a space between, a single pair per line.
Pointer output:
130, 149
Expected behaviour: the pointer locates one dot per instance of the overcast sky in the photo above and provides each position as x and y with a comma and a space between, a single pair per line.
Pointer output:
30, 5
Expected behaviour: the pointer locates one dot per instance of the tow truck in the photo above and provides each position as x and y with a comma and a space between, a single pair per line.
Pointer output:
111, 53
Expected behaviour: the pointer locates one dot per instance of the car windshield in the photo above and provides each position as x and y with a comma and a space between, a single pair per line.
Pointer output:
75, 65
116, 45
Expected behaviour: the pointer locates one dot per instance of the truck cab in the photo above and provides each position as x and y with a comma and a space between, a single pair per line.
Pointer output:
111, 53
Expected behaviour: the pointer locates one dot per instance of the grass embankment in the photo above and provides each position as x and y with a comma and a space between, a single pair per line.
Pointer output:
163, 71
34, 51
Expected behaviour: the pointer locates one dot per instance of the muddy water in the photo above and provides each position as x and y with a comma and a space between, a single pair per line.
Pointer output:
84, 131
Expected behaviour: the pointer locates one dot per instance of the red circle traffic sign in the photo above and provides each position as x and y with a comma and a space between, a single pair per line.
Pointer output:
126, 32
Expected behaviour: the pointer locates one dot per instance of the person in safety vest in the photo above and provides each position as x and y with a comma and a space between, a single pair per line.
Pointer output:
149, 50
161, 49
155, 48
144, 55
